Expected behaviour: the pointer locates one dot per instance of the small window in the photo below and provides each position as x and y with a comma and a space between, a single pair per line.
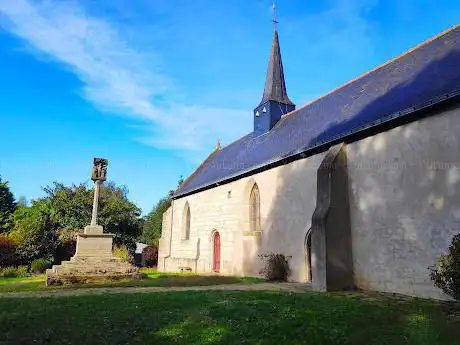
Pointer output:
186, 235
254, 209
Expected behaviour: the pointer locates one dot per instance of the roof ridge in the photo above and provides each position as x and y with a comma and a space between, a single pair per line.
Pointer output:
445, 32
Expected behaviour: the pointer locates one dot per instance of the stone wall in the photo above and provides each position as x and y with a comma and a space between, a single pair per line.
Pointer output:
405, 203
287, 195
164, 246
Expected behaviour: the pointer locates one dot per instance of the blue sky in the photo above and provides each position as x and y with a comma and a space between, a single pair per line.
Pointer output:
152, 84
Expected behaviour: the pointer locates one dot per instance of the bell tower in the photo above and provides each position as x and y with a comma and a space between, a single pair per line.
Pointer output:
275, 101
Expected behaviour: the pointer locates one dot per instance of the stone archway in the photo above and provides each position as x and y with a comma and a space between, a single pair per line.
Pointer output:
251, 236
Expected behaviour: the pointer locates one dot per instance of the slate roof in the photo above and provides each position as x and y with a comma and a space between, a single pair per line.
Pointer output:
425, 75
275, 85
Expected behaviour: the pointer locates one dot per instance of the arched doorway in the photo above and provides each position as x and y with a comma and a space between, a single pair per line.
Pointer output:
216, 253
307, 245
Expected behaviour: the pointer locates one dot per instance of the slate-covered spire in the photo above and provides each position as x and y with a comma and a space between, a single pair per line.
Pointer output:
275, 101
275, 86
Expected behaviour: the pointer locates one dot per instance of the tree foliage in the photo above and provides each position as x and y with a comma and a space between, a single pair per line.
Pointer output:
153, 222
40, 265
446, 273
7, 207
8, 255
49, 226
35, 231
73, 207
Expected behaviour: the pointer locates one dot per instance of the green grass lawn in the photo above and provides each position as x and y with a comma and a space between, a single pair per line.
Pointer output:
226, 317
37, 283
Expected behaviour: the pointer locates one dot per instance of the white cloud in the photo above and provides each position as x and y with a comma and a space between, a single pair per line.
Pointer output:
116, 75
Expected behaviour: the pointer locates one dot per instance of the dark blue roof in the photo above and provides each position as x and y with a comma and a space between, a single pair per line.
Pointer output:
419, 77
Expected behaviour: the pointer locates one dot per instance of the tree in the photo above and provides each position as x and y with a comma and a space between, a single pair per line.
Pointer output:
7, 207
35, 231
8, 255
445, 274
153, 222
48, 228
73, 207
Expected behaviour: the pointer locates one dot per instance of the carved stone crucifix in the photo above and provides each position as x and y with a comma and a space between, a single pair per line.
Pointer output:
98, 175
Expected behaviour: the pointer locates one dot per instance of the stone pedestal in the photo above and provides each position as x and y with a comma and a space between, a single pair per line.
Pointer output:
93, 229
93, 261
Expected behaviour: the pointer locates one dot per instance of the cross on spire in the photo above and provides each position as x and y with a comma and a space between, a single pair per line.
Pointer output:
275, 22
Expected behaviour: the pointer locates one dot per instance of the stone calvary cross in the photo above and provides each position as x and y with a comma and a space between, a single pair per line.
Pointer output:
93, 259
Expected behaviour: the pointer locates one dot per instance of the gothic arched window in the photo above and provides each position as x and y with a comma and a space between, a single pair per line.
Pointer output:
254, 209
186, 232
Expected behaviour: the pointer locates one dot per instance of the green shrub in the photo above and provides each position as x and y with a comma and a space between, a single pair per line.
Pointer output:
66, 246
9, 272
40, 265
23, 271
276, 267
13, 272
123, 240
446, 273
121, 252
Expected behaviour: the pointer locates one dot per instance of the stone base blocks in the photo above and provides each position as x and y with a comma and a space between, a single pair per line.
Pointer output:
93, 261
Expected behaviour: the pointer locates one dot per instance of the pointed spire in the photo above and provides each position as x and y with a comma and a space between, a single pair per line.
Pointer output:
275, 86
218, 146
275, 101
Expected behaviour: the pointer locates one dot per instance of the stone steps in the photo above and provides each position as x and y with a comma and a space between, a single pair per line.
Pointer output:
85, 270
93, 260
90, 265
101, 270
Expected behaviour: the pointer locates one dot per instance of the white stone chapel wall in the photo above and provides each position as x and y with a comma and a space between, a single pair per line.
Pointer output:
405, 203
288, 197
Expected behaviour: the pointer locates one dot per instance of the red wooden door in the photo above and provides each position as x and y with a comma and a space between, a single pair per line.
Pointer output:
216, 253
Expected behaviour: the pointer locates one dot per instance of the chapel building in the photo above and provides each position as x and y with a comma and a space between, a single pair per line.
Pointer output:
359, 188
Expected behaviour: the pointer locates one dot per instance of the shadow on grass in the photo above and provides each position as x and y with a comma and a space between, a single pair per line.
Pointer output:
226, 317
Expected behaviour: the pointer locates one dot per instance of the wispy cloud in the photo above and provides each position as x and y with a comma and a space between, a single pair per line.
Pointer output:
117, 76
